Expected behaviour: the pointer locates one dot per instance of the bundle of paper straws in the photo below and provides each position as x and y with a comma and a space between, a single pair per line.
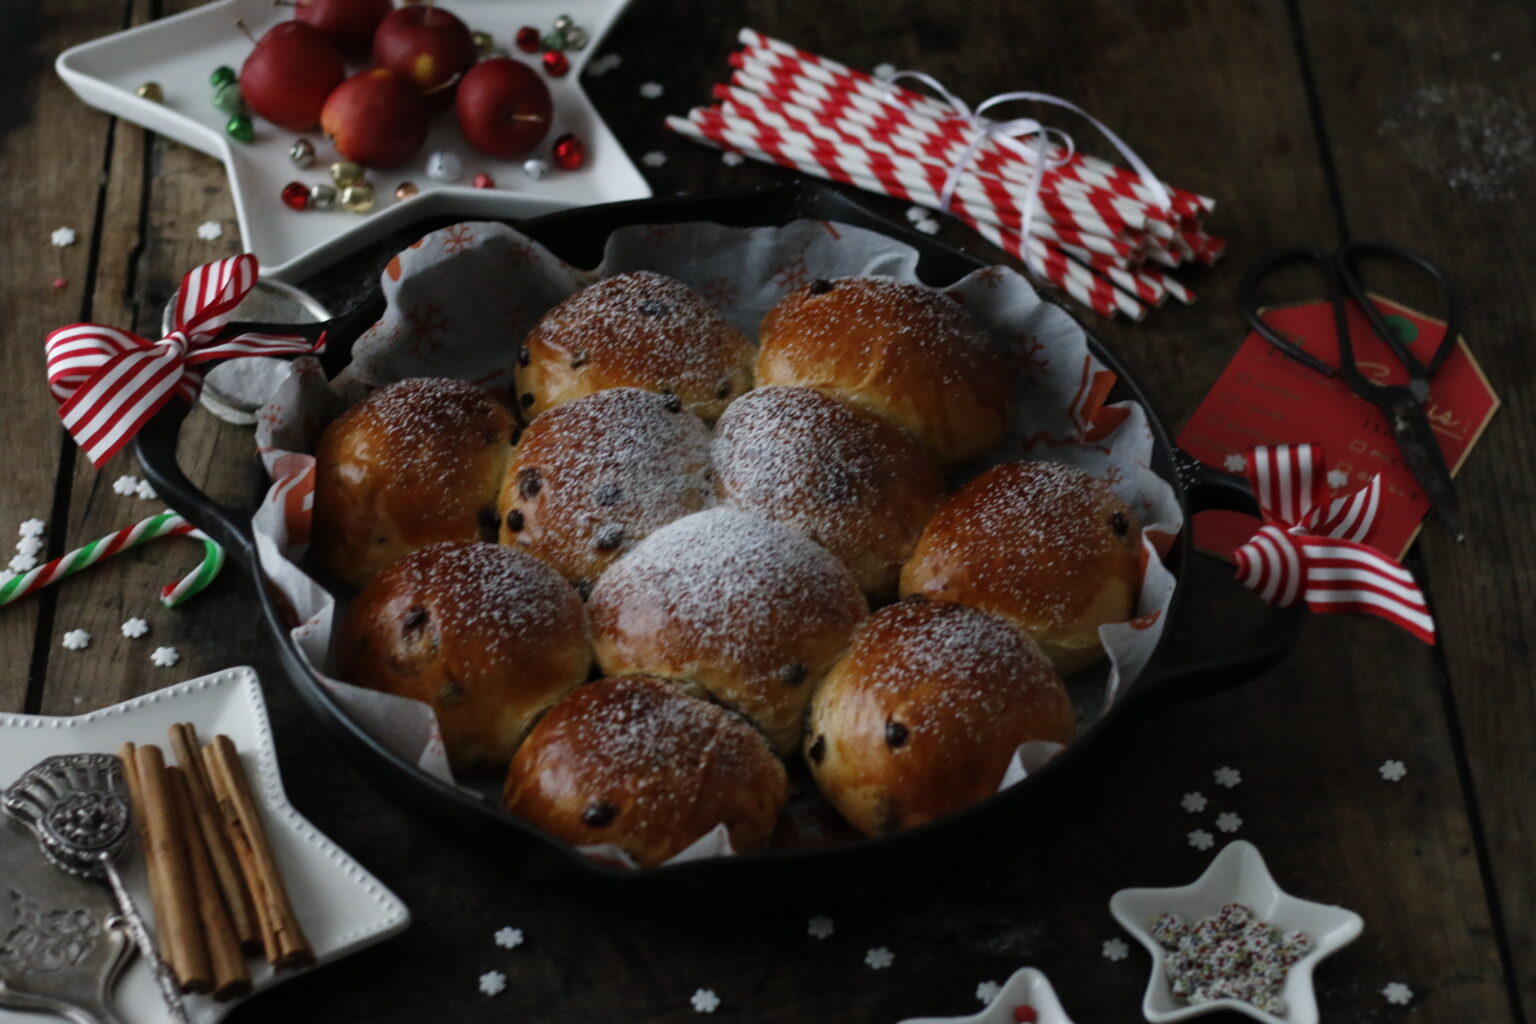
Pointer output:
1094, 229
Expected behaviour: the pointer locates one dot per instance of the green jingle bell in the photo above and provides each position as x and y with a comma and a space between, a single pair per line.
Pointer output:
553, 41
227, 99
222, 75
240, 128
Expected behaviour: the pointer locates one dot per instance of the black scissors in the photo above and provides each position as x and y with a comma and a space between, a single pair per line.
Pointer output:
1404, 404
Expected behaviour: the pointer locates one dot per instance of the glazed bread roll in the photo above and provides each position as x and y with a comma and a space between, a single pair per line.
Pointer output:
1045, 545
639, 764
487, 635
908, 353
923, 713
842, 476
638, 329
594, 476
413, 464
745, 609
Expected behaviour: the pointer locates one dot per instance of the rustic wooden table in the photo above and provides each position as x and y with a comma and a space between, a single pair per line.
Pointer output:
1312, 122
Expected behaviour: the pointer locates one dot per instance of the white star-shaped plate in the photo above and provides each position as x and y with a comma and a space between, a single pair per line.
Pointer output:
1026, 986
181, 52
341, 907
1238, 874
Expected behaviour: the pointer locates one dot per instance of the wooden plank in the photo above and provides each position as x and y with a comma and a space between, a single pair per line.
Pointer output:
53, 146
1430, 112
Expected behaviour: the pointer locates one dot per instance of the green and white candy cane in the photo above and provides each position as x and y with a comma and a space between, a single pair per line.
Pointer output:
167, 524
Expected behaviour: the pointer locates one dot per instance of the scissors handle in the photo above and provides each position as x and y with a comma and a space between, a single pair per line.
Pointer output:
1248, 296
1349, 276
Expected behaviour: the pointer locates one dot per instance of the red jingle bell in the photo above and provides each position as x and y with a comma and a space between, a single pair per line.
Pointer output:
1025, 1014
570, 151
483, 180
527, 39
296, 195
555, 63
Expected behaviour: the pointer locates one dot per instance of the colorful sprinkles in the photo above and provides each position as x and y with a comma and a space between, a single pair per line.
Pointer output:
1232, 954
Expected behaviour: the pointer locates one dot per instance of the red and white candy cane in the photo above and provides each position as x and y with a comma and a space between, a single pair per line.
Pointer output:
1313, 550
167, 524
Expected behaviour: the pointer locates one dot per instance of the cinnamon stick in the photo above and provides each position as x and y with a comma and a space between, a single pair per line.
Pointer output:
237, 901
181, 930
281, 933
141, 826
231, 978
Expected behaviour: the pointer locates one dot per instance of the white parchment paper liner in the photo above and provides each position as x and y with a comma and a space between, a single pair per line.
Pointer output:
461, 300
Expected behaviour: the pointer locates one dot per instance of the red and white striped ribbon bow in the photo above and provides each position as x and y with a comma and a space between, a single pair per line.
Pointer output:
1312, 549
109, 382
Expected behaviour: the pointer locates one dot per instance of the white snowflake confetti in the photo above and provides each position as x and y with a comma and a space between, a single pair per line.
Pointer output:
134, 628
732, 159
1229, 822
33, 528
819, 927
1228, 777
145, 491
63, 236
655, 158
208, 230
492, 982
509, 938
1194, 803
604, 64
916, 213
879, 958
1393, 771
125, 485
165, 657
1235, 463
29, 545
987, 991
1337, 478
705, 1001
652, 90
1200, 839
77, 640
1398, 994
1116, 950
884, 71
928, 226
23, 563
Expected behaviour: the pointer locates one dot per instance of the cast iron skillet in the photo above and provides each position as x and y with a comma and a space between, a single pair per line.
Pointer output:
578, 236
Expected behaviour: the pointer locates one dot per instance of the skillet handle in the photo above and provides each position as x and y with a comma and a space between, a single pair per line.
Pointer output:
1261, 650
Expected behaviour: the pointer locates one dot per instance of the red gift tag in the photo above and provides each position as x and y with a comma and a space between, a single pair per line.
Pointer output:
1266, 397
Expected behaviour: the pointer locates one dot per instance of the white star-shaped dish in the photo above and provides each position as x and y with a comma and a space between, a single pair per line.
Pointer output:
340, 905
180, 52
1238, 874
1026, 986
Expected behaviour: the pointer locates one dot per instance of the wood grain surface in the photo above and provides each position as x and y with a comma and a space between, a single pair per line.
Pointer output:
1310, 122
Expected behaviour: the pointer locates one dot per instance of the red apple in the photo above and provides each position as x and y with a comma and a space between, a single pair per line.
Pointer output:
427, 45
351, 23
375, 118
290, 73
504, 107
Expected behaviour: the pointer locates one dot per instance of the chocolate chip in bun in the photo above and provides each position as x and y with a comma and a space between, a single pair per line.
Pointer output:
415, 463
1043, 544
848, 479
639, 764
906, 352
923, 713
637, 329
750, 611
592, 478
487, 635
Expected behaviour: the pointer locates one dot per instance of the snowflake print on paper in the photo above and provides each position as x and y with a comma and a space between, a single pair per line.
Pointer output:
659, 234
1393, 771
492, 982
1112, 476
879, 958
457, 238
1227, 777
1034, 362
793, 274
987, 991
519, 255
427, 322
1200, 839
1234, 463
990, 276
1116, 950
1229, 822
1194, 803
705, 1001
719, 292
819, 927
509, 938
1398, 994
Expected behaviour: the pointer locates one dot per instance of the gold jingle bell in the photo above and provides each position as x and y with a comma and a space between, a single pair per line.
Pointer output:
405, 190
484, 44
345, 173
357, 197
151, 91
